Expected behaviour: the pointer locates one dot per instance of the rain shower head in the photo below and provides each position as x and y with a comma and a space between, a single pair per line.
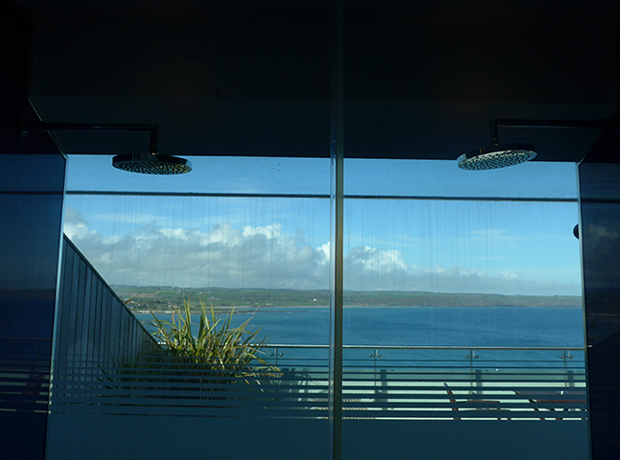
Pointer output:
151, 163
503, 155
141, 163
496, 156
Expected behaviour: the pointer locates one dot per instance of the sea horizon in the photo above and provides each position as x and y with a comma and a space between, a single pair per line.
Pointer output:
499, 326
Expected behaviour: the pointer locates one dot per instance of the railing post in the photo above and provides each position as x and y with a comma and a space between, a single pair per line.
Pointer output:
383, 392
479, 381
569, 374
374, 355
471, 356
277, 354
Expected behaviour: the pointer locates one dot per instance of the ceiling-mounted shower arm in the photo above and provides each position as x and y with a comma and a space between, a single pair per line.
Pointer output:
142, 163
25, 128
495, 123
500, 156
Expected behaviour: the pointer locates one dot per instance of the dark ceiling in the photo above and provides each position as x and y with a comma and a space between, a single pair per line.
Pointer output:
252, 77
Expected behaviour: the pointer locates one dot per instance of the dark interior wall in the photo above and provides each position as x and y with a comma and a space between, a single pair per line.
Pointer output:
526, 51
422, 78
600, 236
31, 192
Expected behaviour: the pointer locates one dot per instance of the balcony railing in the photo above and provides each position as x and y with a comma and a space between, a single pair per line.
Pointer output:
107, 363
442, 383
504, 383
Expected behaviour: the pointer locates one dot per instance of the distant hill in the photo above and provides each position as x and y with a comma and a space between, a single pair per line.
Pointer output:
162, 297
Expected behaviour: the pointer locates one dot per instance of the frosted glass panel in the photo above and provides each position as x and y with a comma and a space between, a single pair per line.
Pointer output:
460, 304
258, 252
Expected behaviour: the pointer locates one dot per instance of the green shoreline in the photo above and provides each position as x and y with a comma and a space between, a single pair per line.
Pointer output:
196, 310
161, 299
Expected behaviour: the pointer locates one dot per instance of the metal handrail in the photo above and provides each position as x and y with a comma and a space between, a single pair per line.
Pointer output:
471, 356
426, 347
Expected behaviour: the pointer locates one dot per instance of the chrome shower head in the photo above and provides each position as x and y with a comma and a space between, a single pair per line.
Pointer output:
141, 163
151, 163
496, 156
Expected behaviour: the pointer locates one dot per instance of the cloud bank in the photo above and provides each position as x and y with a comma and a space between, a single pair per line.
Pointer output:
265, 257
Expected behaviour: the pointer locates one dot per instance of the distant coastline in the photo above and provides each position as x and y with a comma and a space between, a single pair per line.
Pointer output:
196, 310
165, 299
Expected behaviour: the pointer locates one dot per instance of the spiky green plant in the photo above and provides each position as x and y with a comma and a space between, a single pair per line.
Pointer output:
219, 352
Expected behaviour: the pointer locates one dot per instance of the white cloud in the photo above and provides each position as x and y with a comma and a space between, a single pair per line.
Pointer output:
368, 269
326, 249
265, 257
222, 257
371, 259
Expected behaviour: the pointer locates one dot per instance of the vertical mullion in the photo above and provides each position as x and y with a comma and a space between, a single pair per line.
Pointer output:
336, 230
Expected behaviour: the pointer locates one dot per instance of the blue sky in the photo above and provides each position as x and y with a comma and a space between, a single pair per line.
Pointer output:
511, 247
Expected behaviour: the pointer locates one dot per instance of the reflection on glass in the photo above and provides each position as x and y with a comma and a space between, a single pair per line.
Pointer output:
454, 296
474, 269
258, 247
452, 300
467, 258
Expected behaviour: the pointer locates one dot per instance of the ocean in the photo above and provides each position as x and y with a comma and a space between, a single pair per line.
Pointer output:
420, 326
368, 332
